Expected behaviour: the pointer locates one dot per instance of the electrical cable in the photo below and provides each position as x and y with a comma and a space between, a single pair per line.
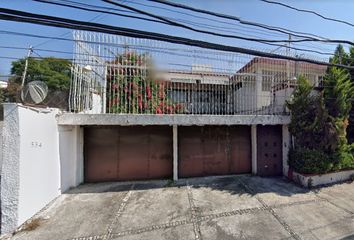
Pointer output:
309, 11
213, 33
20, 16
176, 24
159, 21
225, 16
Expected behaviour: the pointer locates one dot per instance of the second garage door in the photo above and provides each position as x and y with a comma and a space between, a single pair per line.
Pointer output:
127, 153
214, 150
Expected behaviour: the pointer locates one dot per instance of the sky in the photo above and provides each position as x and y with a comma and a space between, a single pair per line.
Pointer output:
250, 10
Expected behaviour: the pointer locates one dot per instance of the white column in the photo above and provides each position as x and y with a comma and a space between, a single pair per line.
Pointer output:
79, 155
286, 147
71, 156
254, 148
175, 153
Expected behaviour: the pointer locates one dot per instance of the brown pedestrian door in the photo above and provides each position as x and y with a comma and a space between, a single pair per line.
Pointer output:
269, 151
118, 153
214, 150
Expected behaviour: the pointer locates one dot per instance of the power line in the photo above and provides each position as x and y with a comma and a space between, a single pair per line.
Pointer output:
193, 23
169, 22
20, 16
249, 29
67, 33
240, 27
94, 10
88, 7
163, 50
225, 16
309, 11
18, 58
176, 24
94, 42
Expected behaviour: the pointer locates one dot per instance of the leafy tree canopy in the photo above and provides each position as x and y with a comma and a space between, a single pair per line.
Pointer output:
340, 56
338, 92
54, 72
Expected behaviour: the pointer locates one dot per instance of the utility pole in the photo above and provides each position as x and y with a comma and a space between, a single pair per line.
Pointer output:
30, 50
288, 47
287, 61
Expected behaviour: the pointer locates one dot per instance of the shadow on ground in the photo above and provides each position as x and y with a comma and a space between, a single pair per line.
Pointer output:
235, 185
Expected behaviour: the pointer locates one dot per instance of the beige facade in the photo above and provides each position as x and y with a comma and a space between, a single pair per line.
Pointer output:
269, 82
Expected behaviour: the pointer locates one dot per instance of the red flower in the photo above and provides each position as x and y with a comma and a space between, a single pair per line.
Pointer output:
114, 86
158, 110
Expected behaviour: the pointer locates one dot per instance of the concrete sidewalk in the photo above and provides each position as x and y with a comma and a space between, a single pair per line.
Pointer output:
238, 207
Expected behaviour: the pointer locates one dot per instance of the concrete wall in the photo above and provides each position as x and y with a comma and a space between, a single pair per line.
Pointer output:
71, 156
321, 179
39, 165
40, 161
10, 170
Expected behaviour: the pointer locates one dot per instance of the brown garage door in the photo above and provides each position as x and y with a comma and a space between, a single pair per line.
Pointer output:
214, 150
269, 151
127, 153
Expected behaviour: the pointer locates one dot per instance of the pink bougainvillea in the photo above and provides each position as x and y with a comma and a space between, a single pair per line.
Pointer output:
132, 88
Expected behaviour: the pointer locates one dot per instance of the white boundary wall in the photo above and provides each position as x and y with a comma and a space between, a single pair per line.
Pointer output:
40, 161
42, 157
313, 180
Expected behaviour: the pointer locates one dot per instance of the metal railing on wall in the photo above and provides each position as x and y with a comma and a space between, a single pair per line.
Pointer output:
122, 75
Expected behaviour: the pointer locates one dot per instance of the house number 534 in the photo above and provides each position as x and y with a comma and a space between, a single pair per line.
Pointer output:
36, 144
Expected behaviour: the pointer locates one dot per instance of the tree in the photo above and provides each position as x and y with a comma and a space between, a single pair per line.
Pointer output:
340, 56
311, 125
54, 72
338, 92
314, 130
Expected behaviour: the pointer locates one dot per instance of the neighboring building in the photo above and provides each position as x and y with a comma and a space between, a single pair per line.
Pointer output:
267, 82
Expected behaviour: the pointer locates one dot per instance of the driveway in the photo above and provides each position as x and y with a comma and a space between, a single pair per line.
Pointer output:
237, 207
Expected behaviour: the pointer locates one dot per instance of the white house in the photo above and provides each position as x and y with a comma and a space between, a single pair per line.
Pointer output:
125, 123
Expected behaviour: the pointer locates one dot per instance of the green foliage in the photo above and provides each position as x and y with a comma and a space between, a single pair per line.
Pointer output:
318, 123
309, 161
53, 71
310, 123
340, 56
345, 157
338, 92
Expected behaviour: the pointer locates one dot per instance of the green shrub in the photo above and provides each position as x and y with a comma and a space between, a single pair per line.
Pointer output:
310, 161
345, 157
